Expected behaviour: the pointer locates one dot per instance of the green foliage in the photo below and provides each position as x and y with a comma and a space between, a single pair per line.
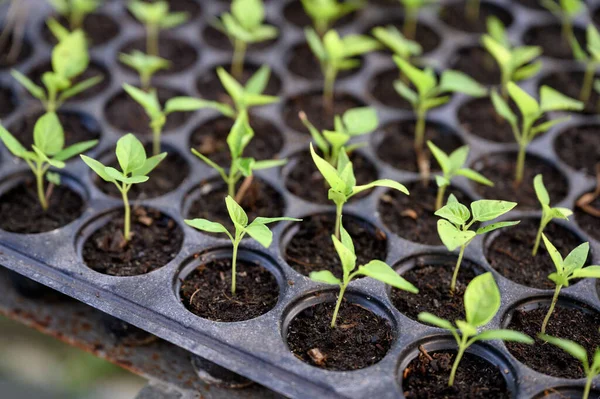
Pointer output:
482, 301
531, 112
324, 13
393, 39
591, 59
354, 122
145, 65
47, 150
135, 168
75, 11
258, 230
453, 227
375, 269
566, 11
69, 59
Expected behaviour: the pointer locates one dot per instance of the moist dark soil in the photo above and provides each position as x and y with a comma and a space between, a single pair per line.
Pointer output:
500, 168
567, 323
210, 88
382, 88
181, 54
190, 6
92, 70
9, 56
454, 15
210, 139
312, 105
294, 13
432, 276
424, 35
569, 84
412, 216
510, 252
427, 377
8, 102
478, 64
311, 249
77, 127
21, 212
360, 339
479, 117
302, 62
155, 240
260, 200
579, 147
305, 181
396, 146
126, 114
550, 39
166, 177
99, 28
588, 222
215, 38
206, 292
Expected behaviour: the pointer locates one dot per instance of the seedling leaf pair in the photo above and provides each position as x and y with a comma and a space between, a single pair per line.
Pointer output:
75, 11
393, 39
145, 65
324, 13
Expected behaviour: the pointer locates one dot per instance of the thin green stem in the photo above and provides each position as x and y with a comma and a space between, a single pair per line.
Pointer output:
152, 40
127, 229
439, 200
420, 131
156, 132
145, 81
338, 219
457, 268
410, 24
588, 387
76, 20
236, 243
328, 88
520, 164
588, 79
237, 62
538, 237
39, 177
338, 304
461, 350
552, 305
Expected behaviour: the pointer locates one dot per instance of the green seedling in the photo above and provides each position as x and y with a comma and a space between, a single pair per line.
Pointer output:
376, 269
155, 17
565, 11
394, 40
547, 213
324, 13
135, 168
452, 165
244, 25
566, 270
69, 59
579, 353
531, 112
482, 301
75, 11
453, 227
47, 151
412, 8
335, 54
354, 122
591, 59
240, 135
342, 183
145, 65
515, 63
257, 229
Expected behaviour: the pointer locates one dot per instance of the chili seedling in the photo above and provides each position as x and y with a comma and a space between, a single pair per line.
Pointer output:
591, 59
394, 40
75, 11
324, 13
565, 11
145, 65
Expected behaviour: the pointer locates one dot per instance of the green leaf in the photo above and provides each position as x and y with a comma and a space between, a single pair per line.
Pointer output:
451, 236
149, 165
485, 210
502, 108
587, 272
432, 319
207, 225
35, 90
70, 56
97, 167
250, 13
236, 213
48, 134
505, 335
185, 104
459, 157
527, 71
457, 82
263, 220
455, 212
576, 259
80, 87
540, 190
543, 127
13, 145
554, 254
361, 120
475, 176
268, 164
382, 272
496, 226
465, 328
571, 347
173, 19
119, 176
329, 173
499, 51
148, 100
130, 153
240, 135
254, 100
315, 44
346, 239
234, 89
561, 213
423, 81
210, 163
406, 92
75, 149
552, 100
482, 300
527, 104
440, 156
258, 82
260, 233
346, 255
381, 183
325, 276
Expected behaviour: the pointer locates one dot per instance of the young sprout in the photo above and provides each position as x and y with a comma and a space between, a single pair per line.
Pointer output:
375, 269
135, 167
75, 11
531, 112
452, 165
336, 54
145, 65
240, 135
591, 59
579, 353
354, 122
48, 150
257, 229
324, 13
155, 16
515, 63
342, 183
547, 213
453, 228
244, 25
565, 11
393, 39
69, 59
482, 301
411, 14
568, 269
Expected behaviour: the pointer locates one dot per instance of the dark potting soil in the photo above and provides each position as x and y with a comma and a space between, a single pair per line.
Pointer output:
155, 240
210, 139
166, 177
10, 55
569, 84
260, 200
360, 339
126, 114
579, 146
454, 15
99, 29
189, 6
510, 252
550, 39
479, 117
92, 71
433, 277
312, 105
294, 13
588, 222
500, 168
567, 323
382, 88
476, 62
181, 54
21, 212
305, 181
206, 292
396, 147
311, 249
427, 376
302, 62
8, 102
215, 38
412, 216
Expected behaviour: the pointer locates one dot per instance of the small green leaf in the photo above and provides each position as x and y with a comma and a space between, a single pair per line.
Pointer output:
505, 335
185, 104
80, 87
259, 81
457, 82
554, 254
148, 100
571, 347
329, 173
527, 104
207, 225
440, 156
496, 226
502, 108
436, 321
70, 56
482, 300
260, 233
130, 153
465, 328
451, 236
382, 272
13, 145
119, 176
97, 167
475, 176
455, 212
540, 190
75, 149
381, 183
485, 210
234, 89
423, 81
149, 165
33, 89
576, 258
361, 120
346, 255
48, 134
587, 272
240, 135
324, 276
236, 213
552, 100
263, 220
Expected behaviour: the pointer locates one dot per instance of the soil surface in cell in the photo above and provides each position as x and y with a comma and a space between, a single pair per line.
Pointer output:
317, 114
550, 39
589, 219
181, 54
360, 339
454, 14
569, 84
93, 70
479, 117
155, 241
99, 29
579, 147
303, 63
382, 88
478, 64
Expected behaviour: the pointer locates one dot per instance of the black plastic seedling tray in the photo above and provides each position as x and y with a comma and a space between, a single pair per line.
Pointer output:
256, 348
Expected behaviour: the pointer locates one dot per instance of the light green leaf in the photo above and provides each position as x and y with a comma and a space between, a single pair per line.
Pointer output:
382, 272
117, 175
571, 347
360, 120
329, 173
381, 183
576, 259
552, 100
235, 90
587, 272
258, 82
455, 212
324, 276
80, 87
502, 108
496, 226
457, 82
465, 328
75, 149
148, 100
451, 236
440, 156
482, 300
346, 255
263, 220
97, 167
236, 213
35, 90
48, 134
505, 335
149, 165
423, 81
210, 163
130, 153
207, 225
540, 190
554, 254
240, 135
13, 145
70, 56
260, 233
406, 92
475, 176
315, 44
485, 210
184, 104
527, 104
432, 319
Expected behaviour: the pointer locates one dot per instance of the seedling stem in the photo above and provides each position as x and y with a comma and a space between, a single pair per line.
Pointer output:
551, 309
462, 346
237, 63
